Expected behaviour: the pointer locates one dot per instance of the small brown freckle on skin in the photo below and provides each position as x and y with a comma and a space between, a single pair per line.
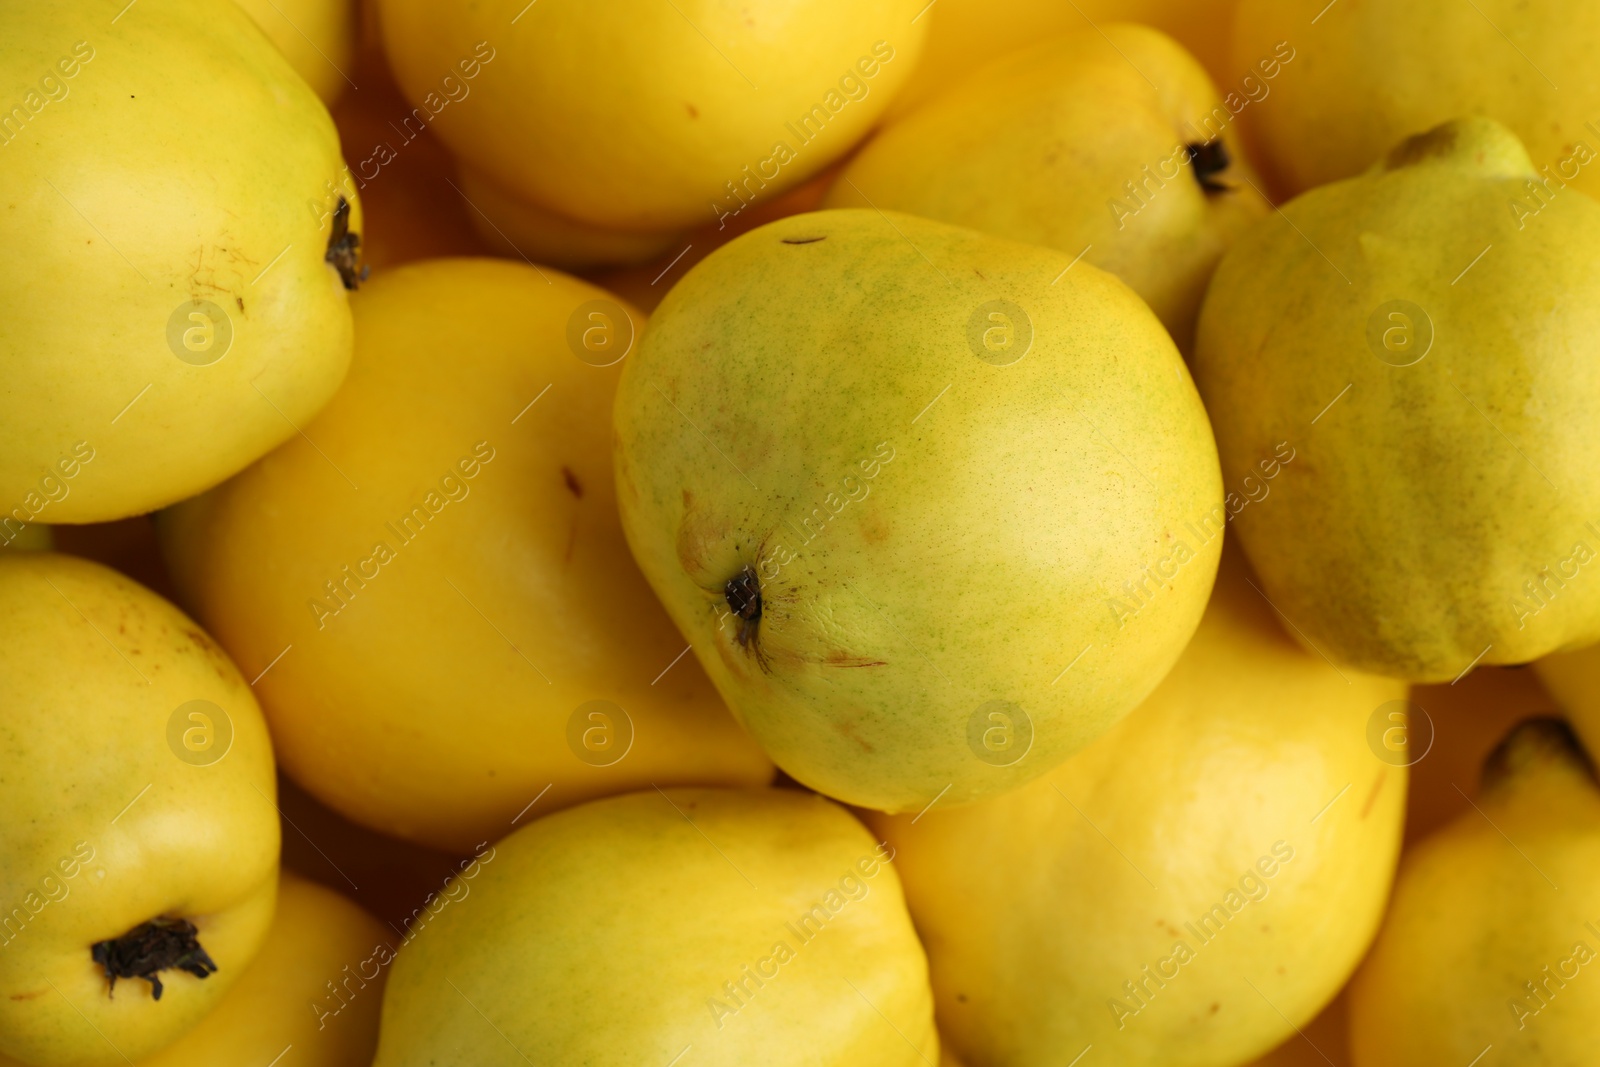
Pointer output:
1215, 1008
961, 998
1372, 797
849, 730
802, 240
837, 658
571, 479
694, 112
240, 299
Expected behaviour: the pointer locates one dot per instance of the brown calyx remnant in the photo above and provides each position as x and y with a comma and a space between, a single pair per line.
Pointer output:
152, 947
1210, 159
344, 248
743, 594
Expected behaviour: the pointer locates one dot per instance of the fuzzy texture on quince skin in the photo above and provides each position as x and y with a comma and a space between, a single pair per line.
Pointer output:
1041, 146
627, 117
893, 478
467, 628
182, 160
757, 926
317, 37
965, 34
1377, 71
1436, 369
1237, 812
106, 827
1491, 938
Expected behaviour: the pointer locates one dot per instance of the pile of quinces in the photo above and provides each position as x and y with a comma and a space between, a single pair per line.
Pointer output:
679, 532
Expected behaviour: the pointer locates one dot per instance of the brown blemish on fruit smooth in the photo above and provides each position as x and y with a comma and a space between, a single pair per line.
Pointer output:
694, 112
573, 485
28, 996
803, 240
874, 531
1372, 797
844, 659
1439, 141
199, 641
700, 537
849, 730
